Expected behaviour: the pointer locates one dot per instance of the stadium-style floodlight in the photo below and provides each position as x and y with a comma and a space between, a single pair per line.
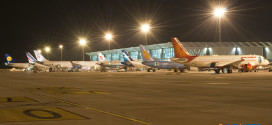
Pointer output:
145, 28
47, 49
108, 36
61, 46
219, 12
82, 42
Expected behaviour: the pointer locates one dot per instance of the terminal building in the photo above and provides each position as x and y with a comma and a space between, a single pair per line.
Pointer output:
165, 51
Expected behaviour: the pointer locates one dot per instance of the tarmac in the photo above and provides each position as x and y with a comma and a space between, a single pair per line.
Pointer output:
135, 98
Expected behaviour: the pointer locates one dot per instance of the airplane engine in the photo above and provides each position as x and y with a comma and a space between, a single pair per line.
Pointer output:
247, 68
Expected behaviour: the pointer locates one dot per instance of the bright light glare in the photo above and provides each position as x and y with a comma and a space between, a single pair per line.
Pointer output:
108, 36
61, 46
145, 27
219, 12
39, 51
82, 42
47, 49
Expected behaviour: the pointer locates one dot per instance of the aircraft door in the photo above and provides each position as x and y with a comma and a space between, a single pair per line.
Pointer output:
260, 59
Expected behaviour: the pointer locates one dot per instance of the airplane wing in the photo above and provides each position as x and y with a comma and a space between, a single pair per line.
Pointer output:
179, 60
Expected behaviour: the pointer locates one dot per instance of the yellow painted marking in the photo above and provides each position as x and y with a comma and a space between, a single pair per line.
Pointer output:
76, 92
36, 114
93, 109
79, 105
15, 99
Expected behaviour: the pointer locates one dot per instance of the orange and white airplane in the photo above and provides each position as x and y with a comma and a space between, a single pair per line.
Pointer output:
225, 63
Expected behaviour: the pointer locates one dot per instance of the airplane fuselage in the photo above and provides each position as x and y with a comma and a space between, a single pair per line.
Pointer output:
163, 64
215, 61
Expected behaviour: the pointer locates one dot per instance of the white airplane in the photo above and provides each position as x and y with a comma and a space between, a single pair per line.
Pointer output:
66, 64
27, 66
11, 62
116, 65
225, 63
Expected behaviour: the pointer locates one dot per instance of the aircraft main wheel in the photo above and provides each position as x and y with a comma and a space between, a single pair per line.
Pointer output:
217, 71
154, 70
225, 70
181, 70
175, 70
148, 70
229, 71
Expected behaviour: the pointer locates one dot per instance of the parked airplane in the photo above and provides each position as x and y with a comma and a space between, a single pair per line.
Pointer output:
154, 63
65, 64
136, 64
36, 65
11, 62
225, 63
116, 65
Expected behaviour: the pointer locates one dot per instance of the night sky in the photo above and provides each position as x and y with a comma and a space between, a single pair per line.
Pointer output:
33, 24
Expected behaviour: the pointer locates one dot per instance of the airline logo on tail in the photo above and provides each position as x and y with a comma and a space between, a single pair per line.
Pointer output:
9, 58
145, 54
39, 56
126, 56
30, 58
180, 51
101, 57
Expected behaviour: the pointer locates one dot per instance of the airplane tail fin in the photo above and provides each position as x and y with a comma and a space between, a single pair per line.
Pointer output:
9, 58
39, 56
126, 56
179, 49
30, 58
101, 57
145, 55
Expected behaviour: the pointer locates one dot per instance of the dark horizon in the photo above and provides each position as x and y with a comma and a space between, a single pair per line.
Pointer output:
29, 25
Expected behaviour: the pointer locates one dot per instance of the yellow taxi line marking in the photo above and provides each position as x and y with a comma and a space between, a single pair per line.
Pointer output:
75, 104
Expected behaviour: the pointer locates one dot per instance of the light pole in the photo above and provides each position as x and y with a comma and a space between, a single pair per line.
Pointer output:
108, 37
219, 14
47, 50
61, 46
82, 42
145, 29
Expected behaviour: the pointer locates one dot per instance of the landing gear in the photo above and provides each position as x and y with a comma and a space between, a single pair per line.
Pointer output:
176, 70
217, 71
148, 70
181, 70
229, 71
